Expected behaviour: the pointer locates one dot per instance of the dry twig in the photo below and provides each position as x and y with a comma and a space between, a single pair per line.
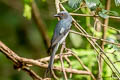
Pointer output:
95, 45
95, 38
61, 60
100, 61
86, 15
69, 63
86, 68
20, 62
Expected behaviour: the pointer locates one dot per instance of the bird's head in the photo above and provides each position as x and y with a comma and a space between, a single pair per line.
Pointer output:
62, 15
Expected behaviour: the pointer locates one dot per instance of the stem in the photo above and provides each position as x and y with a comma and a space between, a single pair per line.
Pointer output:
100, 61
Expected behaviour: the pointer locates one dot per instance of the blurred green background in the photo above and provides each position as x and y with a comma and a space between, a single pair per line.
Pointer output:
23, 37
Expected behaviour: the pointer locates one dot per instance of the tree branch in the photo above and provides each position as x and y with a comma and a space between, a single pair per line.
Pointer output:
24, 63
100, 61
61, 60
16, 60
95, 46
86, 15
95, 38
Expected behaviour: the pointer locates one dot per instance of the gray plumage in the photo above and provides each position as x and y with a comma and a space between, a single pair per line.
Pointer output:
60, 33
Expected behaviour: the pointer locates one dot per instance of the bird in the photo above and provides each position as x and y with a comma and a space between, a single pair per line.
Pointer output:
60, 33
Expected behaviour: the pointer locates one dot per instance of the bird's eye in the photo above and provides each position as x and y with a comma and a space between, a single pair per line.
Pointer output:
61, 14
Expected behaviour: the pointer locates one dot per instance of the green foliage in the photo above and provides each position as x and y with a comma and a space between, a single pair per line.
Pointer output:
92, 4
103, 13
89, 59
27, 9
113, 13
117, 2
74, 3
96, 33
24, 38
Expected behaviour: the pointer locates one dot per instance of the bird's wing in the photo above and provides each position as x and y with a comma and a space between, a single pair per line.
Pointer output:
59, 37
60, 31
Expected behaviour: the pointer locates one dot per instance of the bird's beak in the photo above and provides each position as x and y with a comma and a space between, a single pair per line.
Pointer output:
56, 15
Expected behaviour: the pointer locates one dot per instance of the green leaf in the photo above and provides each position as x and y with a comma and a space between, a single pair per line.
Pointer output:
74, 3
92, 4
113, 13
103, 13
27, 11
111, 31
117, 2
96, 33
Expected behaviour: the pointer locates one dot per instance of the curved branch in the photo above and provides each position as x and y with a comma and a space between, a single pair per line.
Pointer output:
16, 60
20, 61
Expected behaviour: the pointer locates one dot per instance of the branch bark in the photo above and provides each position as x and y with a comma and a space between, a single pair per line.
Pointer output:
16, 60
96, 38
61, 60
25, 63
100, 61
96, 47
86, 15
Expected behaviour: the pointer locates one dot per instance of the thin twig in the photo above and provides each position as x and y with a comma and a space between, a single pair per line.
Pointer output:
86, 15
69, 63
62, 64
54, 75
110, 27
94, 44
57, 56
86, 68
100, 61
15, 58
32, 73
117, 61
63, 1
57, 2
95, 38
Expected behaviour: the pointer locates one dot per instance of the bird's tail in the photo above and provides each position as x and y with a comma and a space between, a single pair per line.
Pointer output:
54, 50
49, 69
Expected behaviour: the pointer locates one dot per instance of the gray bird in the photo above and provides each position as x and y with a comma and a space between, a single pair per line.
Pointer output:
60, 33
